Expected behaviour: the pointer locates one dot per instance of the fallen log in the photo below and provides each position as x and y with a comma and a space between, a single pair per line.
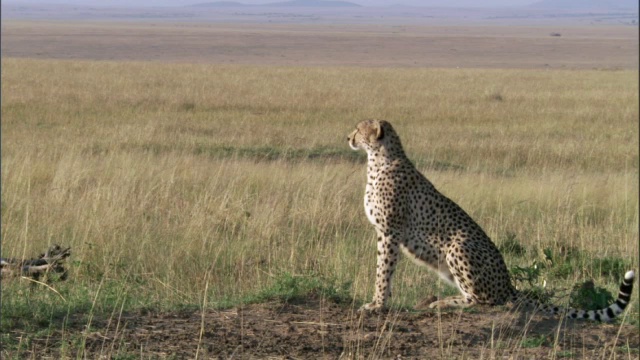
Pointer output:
52, 261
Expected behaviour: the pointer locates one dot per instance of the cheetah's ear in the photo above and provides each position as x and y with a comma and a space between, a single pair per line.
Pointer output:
379, 131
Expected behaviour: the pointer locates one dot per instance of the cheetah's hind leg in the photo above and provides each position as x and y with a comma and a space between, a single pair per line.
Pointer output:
458, 301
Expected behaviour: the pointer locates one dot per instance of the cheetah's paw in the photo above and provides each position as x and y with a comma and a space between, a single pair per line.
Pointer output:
371, 307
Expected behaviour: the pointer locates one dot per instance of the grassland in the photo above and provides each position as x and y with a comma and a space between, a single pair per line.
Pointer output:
199, 185
426, 44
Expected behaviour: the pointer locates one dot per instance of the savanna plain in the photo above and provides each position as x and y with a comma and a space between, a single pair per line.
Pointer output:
214, 210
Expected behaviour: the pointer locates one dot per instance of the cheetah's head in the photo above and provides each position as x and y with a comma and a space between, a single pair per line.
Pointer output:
372, 135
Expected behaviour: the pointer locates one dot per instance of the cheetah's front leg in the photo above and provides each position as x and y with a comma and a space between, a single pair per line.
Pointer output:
386, 264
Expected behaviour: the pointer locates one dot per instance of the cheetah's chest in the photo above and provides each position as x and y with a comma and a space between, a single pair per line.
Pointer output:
371, 206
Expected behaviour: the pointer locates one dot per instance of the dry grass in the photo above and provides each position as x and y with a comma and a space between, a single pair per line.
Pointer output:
459, 43
165, 178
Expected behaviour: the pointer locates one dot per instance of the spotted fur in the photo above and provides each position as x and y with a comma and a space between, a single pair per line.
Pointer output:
411, 216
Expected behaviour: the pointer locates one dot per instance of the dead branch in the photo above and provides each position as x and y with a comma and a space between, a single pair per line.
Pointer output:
52, 261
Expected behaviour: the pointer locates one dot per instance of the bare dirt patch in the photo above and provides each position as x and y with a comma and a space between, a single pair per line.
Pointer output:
592, 47
320, 329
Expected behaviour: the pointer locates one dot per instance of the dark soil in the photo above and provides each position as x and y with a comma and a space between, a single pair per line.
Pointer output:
322, 329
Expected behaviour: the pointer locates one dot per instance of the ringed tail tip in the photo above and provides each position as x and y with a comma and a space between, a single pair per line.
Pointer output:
629, 275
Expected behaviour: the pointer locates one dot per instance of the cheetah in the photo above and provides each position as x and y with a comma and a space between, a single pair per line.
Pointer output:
412, 216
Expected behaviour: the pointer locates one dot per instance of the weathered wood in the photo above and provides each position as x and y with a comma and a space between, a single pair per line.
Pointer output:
52, 261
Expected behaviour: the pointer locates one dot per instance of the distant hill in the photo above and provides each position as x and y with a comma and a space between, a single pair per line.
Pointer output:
292, 3
313, 3
586, 4
220, 4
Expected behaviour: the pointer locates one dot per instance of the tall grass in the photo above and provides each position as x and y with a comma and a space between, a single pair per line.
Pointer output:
167, 180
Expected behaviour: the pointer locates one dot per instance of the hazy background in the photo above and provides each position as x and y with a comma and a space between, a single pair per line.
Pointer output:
452, 3
427, 3
389, 12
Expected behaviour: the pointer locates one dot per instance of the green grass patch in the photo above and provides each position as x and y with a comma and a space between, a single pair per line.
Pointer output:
588, 296
565, 354
288, 288
256, 153
510, 245
267, 153
534, 341
568, 263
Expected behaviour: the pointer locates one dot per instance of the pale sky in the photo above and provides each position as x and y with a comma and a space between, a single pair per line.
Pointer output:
136, 3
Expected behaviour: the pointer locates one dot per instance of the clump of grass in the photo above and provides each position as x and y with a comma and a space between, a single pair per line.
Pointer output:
288, 288
573, 261
496, 96
534, 341
585, 295
588, 296
511, 246
187, 106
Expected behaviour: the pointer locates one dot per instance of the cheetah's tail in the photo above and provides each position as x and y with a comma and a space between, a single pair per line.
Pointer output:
607, 314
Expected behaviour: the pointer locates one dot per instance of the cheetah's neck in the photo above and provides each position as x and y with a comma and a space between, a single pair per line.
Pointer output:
386, 155
379, 160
